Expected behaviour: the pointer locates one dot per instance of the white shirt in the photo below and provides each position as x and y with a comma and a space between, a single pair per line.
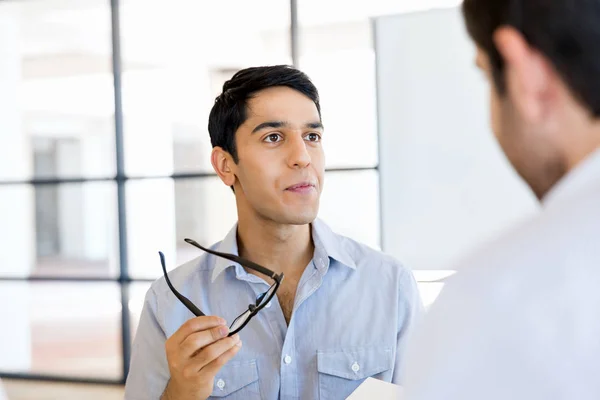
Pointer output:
521, 318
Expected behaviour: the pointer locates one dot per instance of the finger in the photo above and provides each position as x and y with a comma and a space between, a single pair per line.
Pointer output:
198, 340
211, 369
196, 324
212, 352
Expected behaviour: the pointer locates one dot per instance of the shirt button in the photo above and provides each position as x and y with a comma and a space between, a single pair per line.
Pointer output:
221, 384
268, 305
355, 367
287, 359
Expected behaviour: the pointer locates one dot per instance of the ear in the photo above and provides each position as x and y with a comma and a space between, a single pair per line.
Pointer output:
223, 165
528, 74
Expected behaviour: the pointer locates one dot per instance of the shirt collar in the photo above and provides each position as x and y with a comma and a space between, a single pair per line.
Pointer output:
582, 176
227, 245
327, 245
330, 245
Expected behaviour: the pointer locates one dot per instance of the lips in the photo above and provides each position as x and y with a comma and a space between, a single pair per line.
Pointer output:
301, 186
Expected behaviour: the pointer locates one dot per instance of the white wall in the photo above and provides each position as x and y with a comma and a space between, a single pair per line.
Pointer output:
445, 184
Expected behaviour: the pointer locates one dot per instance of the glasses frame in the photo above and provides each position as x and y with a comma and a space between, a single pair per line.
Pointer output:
252, 308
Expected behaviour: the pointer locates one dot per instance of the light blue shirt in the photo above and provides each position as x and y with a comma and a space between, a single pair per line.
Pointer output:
353, 311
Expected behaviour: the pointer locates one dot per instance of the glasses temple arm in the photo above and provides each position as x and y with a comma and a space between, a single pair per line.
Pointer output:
190, 306
237, 259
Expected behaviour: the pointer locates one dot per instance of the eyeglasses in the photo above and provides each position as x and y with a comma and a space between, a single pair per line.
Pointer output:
261, 301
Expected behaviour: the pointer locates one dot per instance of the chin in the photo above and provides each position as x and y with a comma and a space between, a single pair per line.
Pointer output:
302, 217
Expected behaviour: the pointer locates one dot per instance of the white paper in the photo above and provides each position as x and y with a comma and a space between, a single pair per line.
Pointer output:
375, 389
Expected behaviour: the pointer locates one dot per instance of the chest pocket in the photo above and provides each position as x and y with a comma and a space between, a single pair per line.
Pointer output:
342, 371
237, 381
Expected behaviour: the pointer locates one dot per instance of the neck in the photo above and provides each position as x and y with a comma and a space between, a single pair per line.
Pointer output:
580, 153
582, 140
581, 137
281, 248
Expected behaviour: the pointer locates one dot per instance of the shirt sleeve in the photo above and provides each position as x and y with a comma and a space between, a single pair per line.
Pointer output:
411, 310
149, 370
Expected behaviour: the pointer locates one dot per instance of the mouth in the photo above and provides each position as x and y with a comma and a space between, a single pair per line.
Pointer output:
302, 187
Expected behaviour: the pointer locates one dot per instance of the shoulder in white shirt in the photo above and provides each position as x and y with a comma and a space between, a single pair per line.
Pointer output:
521, 318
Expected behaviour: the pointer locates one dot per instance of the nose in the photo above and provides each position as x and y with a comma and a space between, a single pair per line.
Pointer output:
298, 157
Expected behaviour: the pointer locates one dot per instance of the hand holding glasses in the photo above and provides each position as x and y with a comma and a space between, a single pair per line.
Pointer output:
242, 320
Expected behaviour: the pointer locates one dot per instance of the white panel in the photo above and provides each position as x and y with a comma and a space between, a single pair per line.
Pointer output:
445, 183
350, 205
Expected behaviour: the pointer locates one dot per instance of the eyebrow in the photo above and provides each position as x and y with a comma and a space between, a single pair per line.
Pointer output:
314, 125
283, 124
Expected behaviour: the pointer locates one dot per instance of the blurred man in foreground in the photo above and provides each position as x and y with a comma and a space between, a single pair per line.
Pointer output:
521, 318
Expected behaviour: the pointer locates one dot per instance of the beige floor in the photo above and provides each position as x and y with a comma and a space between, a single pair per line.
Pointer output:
30, 390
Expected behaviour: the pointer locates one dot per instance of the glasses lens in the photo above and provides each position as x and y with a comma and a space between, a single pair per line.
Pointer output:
239, 321
265, 296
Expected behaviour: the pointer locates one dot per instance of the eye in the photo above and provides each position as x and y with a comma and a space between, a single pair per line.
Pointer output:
313, 137
273, 138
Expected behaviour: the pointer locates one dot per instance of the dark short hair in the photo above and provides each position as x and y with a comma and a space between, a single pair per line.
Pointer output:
230, 111
566, 32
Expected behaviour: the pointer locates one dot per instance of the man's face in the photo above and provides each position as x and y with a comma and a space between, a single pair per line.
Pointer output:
281, 161
524, 134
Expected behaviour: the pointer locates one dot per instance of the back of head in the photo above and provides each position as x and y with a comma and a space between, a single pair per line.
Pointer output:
230, 108
566, 32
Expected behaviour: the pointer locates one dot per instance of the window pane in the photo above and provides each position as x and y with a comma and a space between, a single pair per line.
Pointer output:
429, 292
431, 283
173, 70
58, 230
56, 102
350, 205
62, 329
162, 212
338, 56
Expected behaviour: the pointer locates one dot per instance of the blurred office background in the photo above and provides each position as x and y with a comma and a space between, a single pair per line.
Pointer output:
104, 155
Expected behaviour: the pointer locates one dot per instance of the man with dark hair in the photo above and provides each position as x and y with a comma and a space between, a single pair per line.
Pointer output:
317, 312
520, 319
